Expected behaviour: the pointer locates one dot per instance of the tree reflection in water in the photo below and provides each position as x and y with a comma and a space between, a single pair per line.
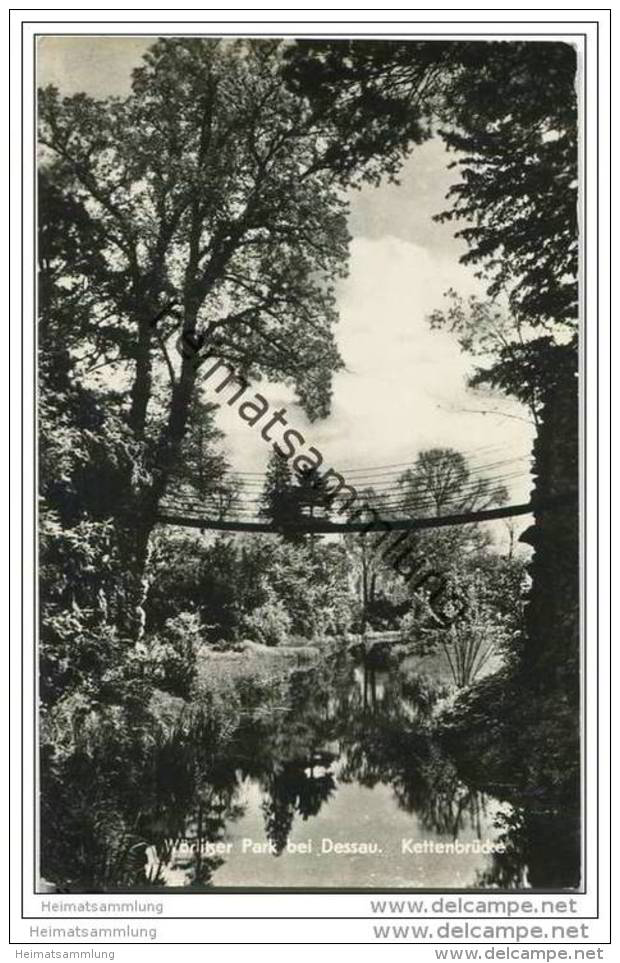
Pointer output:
388, 743
293, 790
143, 814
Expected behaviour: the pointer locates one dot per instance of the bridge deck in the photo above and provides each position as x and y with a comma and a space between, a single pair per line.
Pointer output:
192, 518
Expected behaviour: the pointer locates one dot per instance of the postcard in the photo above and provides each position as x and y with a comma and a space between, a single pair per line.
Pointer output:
309, 434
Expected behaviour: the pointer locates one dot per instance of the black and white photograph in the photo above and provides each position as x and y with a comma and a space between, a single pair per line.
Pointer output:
308, 436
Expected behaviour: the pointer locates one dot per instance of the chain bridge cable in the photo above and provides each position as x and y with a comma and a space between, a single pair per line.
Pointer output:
392, 479
322, 526
399, 490
395, 494
467, 453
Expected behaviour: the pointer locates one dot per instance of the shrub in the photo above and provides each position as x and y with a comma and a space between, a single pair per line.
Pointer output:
74, 655
172, 655
270, 623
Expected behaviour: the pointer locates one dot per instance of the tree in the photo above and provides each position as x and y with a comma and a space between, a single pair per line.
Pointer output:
280, 502
214, 203
512, 122
509, 112
79, 563
371, 571
442, 482
201, 471
313, 500
375, 93
488, 331
293, 500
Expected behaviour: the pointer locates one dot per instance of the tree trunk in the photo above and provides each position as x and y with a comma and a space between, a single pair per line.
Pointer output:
134, 551
143, 382
551, 652
135, 526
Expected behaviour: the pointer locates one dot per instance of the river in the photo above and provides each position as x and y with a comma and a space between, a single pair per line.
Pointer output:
326, 777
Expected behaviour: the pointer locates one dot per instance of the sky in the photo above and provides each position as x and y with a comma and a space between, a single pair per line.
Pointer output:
403, 387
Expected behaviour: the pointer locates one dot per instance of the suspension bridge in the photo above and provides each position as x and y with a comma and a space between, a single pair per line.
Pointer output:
380, 502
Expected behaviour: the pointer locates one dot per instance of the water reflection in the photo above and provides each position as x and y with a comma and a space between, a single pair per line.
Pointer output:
347, 759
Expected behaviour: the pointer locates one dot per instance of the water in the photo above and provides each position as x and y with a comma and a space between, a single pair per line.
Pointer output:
335, 782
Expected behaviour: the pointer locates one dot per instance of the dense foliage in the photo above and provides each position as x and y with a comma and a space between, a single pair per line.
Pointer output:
258, 586
508, 111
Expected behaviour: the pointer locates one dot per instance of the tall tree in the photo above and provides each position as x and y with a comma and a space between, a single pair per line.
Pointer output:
368, 567
375, 93
442, 482
214, 197
509, 112
312, 498
280, 502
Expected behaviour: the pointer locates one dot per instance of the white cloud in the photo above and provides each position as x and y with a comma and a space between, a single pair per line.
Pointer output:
404, 383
